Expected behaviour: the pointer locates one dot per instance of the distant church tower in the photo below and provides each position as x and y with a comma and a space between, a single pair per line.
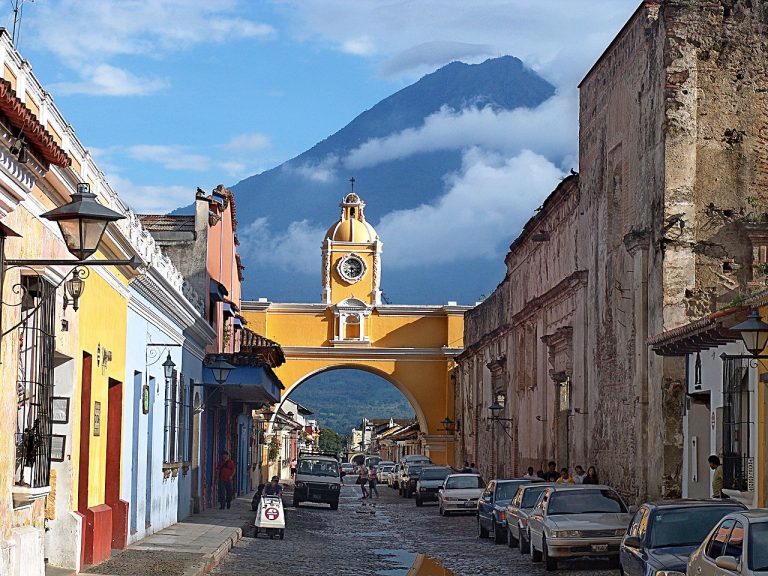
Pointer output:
352, 257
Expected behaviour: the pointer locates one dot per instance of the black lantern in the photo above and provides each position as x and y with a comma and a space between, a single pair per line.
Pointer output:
168, 367
495, 408
221, 369
754, 333
82, 221
447, 424
73, 288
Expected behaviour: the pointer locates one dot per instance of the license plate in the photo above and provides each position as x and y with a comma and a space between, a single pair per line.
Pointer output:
470, 504
599, 547
316, 496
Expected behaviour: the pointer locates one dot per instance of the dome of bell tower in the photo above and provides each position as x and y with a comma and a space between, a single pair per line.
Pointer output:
351, 226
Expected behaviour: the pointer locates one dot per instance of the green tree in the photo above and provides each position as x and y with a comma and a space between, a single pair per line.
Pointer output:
330, 441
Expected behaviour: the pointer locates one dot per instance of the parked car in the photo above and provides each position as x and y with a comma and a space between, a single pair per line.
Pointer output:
384, 471
662, 535
459, 493
492, 508
415, 458
429, 481
347, 468
574, 520
737, 545
409, 477
518, 511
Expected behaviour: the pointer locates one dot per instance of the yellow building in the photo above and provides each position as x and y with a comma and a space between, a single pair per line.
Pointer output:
412, 347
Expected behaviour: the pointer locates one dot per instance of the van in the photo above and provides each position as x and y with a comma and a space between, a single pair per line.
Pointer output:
318, 479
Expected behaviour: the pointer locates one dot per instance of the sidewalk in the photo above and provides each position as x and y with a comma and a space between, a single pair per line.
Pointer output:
189, 548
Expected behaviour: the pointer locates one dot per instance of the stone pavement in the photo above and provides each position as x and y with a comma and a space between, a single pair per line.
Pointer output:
189, 548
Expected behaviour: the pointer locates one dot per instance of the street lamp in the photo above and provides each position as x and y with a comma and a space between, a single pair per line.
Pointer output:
221, 369
495, 409
168, 367
82, 221
448, 424
754, 333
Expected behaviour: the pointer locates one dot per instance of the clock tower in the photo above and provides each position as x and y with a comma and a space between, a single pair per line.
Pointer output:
352, 257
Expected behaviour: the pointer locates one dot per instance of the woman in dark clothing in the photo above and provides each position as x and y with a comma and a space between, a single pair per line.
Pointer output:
591, 477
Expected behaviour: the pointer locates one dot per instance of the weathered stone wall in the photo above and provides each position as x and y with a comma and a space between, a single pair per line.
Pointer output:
669, 221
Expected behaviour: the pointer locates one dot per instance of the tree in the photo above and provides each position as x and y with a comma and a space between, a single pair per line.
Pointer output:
330, 441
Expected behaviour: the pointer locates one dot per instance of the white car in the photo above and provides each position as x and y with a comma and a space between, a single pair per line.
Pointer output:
384, 472
737, 545
577, 520
460, 493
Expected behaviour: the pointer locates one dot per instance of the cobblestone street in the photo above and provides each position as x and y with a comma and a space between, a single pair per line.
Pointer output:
319, 542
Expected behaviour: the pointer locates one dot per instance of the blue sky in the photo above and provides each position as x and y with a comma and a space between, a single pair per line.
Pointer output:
174, 94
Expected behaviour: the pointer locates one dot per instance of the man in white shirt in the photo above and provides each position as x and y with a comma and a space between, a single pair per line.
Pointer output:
579, 475
530, 475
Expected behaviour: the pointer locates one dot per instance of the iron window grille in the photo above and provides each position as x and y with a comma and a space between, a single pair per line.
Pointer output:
34, 383
177, 420
737, 455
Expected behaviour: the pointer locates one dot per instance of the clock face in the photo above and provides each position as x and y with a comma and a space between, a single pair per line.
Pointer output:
351, 268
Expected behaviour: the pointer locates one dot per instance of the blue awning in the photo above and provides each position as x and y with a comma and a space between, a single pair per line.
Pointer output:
218, 291
237, 323
229, 312
256, 384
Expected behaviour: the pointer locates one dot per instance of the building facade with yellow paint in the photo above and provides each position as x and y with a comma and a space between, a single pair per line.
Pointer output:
412, 347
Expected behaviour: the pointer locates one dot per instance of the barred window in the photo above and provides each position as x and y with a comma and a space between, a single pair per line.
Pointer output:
177, 420
738, 461
34, 383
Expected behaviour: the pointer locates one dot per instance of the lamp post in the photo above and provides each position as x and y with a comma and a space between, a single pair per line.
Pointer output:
221, 369
754, 333
168, 367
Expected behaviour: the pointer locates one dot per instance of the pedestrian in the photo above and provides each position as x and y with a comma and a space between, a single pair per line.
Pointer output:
373, 479
362, 480
529, 475
579, 474
551, 475
473, 469
273, 488
226, 472
293, 467
465, 469
565, 477
591, 477
717, 477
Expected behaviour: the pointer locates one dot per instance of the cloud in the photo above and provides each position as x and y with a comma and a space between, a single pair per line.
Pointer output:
433, 55
151, 199
296, 249
170, 157
360, 46
323, 172
549, 129
106, 80
484, 208
248, 142
98, 31
559, 38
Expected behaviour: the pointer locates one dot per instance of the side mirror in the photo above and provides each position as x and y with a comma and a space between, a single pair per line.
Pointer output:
633, 542
727, 563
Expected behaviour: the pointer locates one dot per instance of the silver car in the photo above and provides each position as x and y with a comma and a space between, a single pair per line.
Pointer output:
517, 515
459, 493
574, 520
737, 545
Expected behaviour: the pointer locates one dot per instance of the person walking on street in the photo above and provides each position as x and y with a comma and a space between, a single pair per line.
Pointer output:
565, 477
717, 478
473, 469
273, 488
551, 475
373, 479
591, 477
362, 479
293, 468
579, 474
226, 472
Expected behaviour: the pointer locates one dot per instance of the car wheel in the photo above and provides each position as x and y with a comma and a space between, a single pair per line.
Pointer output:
615, 563
549, 563
511, 540
296, 502
499, 534
525, 545
481, 532
535, 554
419, 501
334, 505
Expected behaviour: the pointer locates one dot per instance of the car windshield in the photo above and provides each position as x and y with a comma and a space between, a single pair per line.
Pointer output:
585, 502
318, 467
464, 482
685, 526
758, 547
530, 496
507, 490
414, 470
435, 473
385, 468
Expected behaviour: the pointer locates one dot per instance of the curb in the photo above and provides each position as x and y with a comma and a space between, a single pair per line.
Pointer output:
218, 555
